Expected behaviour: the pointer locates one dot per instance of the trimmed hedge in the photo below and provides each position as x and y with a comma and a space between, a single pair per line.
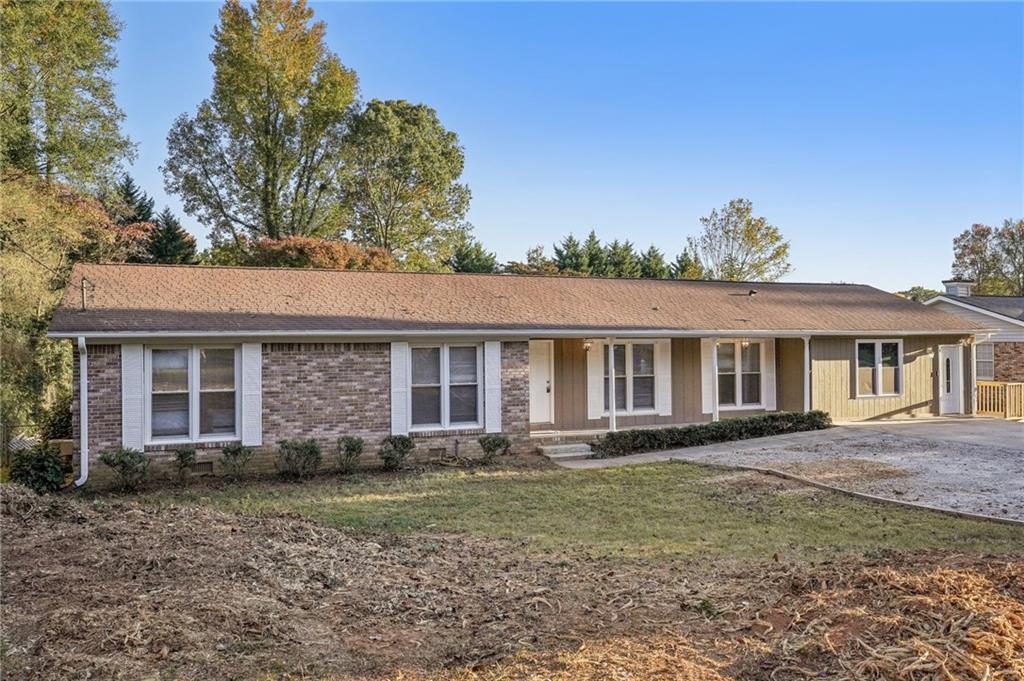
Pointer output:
623, 442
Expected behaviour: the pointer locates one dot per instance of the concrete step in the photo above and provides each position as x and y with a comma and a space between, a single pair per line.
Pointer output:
570, 452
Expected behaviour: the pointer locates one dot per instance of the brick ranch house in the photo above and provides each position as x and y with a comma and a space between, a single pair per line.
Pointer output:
174, 355
999, 353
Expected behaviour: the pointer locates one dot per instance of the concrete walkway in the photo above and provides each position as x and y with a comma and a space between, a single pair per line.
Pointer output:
967, 465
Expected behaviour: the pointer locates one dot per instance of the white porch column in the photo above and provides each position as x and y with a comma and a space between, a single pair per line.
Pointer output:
714, 378
611, 384
807, 373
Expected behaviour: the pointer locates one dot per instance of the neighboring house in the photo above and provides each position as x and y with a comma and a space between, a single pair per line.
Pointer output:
203, 356
999, 353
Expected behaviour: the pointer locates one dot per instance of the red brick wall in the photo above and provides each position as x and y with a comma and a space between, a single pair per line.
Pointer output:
1009, 362
318, 390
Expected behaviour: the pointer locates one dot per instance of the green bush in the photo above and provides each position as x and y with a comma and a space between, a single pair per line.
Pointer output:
184, 461
130, 465
234, 458
57, 420
350, 448
297, 459
40, 468
394, 450
493, 445
625, 442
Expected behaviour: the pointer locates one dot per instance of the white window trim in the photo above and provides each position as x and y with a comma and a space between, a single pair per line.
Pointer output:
445, 423
629, 410
978, 360
193, 397
878, 366
738, 350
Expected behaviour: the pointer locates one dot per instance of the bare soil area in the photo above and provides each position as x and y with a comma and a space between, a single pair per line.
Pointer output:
123, 591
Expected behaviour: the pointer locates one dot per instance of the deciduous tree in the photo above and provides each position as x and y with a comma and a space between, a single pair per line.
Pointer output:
310, 252
918, 293
977, 257
58, 116
400, 186
736, 245
260, 157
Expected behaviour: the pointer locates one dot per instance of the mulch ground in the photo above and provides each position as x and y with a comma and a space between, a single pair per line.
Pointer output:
114, 590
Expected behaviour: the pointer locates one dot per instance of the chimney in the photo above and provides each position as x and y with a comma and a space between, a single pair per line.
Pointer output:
958, 287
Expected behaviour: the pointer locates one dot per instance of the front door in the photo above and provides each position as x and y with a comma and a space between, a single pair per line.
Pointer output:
542, 406
951, 388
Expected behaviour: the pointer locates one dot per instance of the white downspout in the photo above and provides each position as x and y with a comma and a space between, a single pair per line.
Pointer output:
83, 412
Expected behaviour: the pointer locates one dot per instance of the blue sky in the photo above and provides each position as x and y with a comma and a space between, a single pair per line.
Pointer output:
870, 133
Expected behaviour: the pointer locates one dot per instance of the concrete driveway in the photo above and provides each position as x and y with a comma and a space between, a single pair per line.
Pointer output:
971, 465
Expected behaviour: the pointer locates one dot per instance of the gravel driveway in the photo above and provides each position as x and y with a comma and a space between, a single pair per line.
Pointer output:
970, 465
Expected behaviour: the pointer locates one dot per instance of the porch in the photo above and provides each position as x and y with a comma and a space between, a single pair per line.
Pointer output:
581, 387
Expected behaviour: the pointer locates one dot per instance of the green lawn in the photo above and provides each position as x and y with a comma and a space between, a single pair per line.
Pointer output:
671, 509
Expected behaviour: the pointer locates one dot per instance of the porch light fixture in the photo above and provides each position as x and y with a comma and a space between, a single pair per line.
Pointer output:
586, 346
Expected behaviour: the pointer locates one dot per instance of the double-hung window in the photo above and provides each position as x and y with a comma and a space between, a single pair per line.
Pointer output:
739, 374
634, 377
879, 368
985, 362
445, 386
192, 393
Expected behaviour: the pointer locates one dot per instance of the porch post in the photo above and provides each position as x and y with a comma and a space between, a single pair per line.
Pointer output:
611, 384
807, 373
714, 378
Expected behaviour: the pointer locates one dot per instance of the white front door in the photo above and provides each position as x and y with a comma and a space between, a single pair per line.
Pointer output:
951, 388
542, 406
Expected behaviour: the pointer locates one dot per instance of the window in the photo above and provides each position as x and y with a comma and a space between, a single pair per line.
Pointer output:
985, 362
192, 393
634, 377
879, 368
739, 373
445, 386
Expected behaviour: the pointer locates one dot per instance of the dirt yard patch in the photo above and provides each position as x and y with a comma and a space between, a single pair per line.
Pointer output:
126, 591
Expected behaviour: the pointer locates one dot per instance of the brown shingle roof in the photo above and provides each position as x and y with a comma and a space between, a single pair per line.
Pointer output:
155, 298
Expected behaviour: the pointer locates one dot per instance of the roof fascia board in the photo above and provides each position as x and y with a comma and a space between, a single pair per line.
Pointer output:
399, 334
974, 308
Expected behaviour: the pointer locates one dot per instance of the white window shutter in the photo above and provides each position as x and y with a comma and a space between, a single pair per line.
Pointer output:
492, 386
133, 398
663, 376
768, 374
707, 378
252, 394
595, 380
399, 388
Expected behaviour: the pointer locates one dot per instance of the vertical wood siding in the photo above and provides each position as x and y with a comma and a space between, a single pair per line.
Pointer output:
833, 387
789, 373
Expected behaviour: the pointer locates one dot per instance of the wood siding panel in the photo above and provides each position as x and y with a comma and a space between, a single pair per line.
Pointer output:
833, 387
570, 381
789, 373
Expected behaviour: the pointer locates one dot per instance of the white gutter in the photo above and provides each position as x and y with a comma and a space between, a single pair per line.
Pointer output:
83, 412
525, 333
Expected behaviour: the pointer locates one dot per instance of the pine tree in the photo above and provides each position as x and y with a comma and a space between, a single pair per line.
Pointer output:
169, 242
470, 256
622, 261
687, 266
569, 256
653, 265
130, 203
594, 256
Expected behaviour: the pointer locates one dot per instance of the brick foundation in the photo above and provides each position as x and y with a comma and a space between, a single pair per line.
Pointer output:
1009, 362
318, 390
